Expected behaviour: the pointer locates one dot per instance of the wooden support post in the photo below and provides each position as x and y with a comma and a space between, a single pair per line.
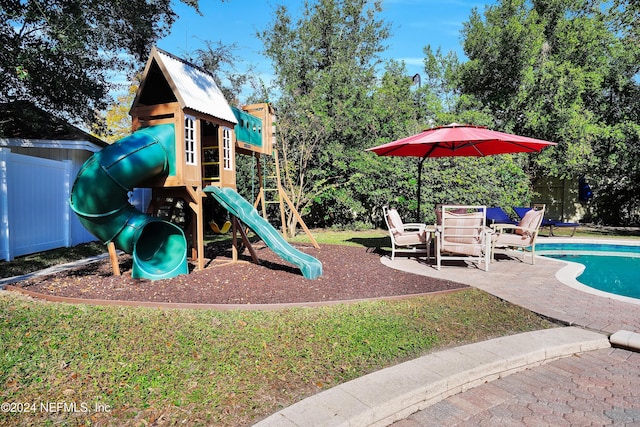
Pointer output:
299, 218
198, 241
283, 217
240, 229
261, 194
114, 258
234, 239
197, 207
200, 232
258, 200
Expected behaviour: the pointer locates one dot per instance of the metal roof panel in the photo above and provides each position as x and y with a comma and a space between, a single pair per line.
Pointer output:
196, 88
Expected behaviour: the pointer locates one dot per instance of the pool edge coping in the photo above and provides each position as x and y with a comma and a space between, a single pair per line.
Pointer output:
568, 274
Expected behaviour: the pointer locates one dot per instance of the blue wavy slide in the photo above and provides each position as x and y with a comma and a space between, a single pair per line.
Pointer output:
238, 206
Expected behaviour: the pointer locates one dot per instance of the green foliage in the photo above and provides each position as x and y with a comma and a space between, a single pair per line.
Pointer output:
58, 54
490, 181
440, 70
333, 107
325, 66
566, 72
618, 174
115, 122
396, 109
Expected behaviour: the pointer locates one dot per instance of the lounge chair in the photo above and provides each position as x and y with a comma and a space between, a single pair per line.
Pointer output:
551, 223
409, 237
461, 234
498, 216
521, 236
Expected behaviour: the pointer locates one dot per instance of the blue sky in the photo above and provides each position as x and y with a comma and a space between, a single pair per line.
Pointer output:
414, 24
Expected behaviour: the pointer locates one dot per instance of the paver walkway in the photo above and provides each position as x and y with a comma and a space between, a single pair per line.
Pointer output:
397, 392
536, 288
597, 388
601, 387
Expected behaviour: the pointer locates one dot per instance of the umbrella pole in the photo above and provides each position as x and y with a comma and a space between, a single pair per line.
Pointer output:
419, 187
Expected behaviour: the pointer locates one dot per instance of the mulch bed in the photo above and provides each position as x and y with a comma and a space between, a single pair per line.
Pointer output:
348, 273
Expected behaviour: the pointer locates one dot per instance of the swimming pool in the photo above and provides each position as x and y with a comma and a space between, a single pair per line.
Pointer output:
609, 267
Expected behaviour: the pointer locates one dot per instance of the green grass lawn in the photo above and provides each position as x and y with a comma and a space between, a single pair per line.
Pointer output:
140, 366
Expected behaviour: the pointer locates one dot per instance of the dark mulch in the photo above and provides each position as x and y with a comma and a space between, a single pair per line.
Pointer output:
348, 273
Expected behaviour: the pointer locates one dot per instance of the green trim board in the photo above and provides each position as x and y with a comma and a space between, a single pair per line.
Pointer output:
249, 128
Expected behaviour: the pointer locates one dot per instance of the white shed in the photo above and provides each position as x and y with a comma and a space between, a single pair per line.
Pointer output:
40, 156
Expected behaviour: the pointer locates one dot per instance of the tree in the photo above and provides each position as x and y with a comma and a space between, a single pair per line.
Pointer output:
440, 70
565, 71
221, 61
398, 109
59, 53
115, 121
329, 57
325, 66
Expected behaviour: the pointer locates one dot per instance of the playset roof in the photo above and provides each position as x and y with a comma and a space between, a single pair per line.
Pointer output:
193, 87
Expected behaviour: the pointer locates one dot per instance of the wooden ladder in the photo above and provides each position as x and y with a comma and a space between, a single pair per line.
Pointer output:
278, 196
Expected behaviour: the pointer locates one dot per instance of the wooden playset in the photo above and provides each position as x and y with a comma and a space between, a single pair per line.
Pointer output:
208, 135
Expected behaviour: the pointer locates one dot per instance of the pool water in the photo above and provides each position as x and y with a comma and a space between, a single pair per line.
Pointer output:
609, 268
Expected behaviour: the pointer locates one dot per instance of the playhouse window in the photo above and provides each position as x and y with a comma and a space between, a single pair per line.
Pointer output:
190, 140
226, 149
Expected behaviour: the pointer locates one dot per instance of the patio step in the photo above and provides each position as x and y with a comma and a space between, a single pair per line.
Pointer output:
392, 394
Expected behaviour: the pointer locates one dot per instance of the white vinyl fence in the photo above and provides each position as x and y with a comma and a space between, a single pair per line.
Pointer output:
34, 205
34, 212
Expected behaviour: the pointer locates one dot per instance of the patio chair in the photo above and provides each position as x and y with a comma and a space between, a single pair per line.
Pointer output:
521, 236
498, 216
551, 223
461, 234
409, 237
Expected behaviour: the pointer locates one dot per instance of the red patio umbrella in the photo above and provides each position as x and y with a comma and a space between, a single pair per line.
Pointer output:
458, 140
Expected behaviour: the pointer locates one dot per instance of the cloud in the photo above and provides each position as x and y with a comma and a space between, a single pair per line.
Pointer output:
412, 61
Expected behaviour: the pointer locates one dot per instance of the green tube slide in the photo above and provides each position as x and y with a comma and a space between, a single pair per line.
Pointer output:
100, 199
310, 267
